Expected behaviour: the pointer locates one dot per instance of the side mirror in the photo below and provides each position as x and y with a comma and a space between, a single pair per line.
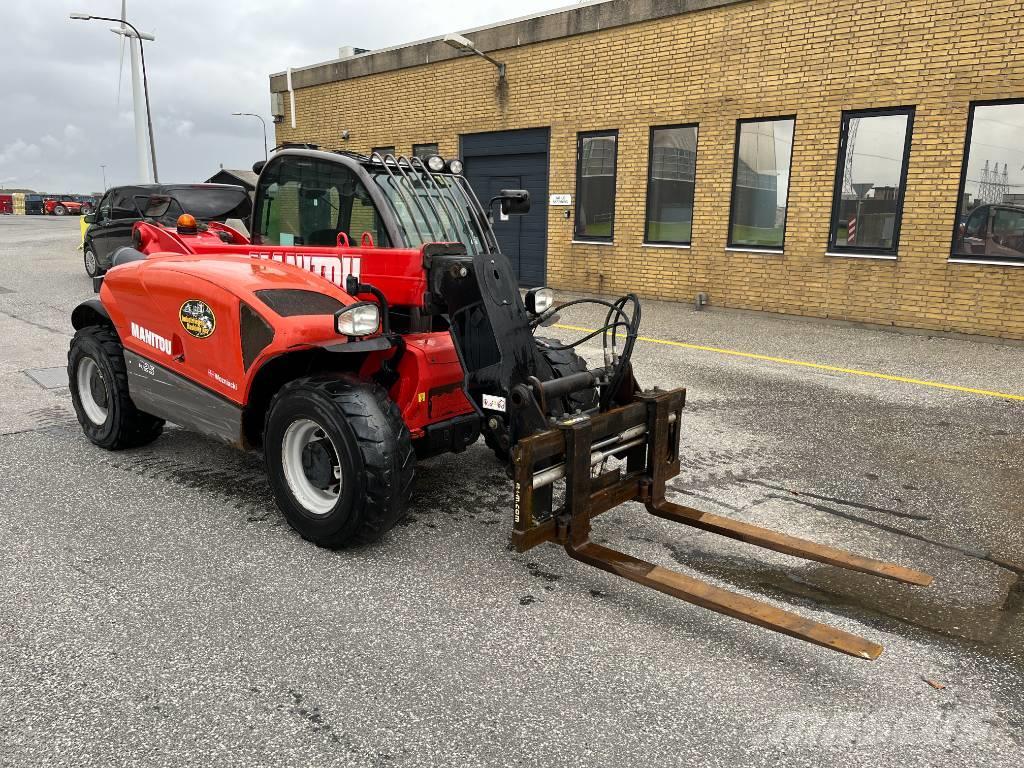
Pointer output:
514, 202
257, 167
89, 218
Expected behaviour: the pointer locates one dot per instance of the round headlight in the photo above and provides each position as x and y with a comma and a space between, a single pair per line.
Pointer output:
435, 163
539, 300
455, 166
360, 319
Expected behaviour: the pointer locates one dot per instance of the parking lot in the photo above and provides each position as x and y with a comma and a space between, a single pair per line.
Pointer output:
155, 609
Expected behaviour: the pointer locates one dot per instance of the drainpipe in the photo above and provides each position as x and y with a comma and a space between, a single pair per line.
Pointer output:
291, 96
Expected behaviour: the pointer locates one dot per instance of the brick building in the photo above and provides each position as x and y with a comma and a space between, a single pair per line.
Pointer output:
852, 159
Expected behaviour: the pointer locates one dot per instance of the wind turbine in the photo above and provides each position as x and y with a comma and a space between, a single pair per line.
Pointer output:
141, 145
140, 91
145, 151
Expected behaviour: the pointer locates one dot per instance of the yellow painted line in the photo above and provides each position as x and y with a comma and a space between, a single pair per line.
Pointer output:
816, 366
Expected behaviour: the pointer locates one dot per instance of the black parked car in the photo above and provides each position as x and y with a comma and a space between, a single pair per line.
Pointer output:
992, 232
110, 226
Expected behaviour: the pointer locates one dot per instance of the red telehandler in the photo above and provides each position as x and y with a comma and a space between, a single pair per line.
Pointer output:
369, 320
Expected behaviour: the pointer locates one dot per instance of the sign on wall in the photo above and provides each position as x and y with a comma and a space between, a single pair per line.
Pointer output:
560, 200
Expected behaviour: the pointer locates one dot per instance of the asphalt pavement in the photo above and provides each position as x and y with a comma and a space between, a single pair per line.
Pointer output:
155, 609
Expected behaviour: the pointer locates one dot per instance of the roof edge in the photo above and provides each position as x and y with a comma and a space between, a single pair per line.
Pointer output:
549, 25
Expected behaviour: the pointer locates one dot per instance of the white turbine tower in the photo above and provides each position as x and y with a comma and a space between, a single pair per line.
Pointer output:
142, 151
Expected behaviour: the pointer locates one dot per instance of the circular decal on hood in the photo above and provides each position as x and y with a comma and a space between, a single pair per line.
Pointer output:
197, 318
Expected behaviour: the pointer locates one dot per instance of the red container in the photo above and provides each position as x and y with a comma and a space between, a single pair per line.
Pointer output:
6, 204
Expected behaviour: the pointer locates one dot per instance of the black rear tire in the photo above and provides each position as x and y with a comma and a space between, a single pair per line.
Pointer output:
363, 440
98, 381
564, 362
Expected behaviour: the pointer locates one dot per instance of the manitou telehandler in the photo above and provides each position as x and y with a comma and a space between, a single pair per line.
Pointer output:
370, 319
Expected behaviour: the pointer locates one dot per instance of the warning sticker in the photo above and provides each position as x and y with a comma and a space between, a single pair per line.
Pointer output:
494, 403
197, 318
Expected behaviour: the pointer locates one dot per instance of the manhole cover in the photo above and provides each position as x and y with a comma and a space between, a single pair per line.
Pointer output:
49, 378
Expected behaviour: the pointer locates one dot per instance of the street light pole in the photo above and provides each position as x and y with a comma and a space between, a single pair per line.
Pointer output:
266, 153
145, 82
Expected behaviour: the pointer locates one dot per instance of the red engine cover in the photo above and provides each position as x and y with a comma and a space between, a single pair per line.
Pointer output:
220, 267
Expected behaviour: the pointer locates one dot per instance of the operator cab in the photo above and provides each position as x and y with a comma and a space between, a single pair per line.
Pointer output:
310, 201
314, 198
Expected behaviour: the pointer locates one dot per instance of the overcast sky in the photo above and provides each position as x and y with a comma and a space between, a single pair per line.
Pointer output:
61, 119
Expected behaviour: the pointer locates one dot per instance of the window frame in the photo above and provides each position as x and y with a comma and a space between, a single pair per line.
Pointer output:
580, 136
729, 244
105, 202
391, 147
650, 177
833, 247
955, 258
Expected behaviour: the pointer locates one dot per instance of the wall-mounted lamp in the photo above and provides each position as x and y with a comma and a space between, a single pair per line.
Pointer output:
464, 44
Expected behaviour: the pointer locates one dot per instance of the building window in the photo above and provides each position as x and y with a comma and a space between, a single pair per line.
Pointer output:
760, 183
671, 172
871, 179
990, 214
383, 151
423, 151
595, 186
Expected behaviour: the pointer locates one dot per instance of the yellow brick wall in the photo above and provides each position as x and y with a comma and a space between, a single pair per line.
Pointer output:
811, 58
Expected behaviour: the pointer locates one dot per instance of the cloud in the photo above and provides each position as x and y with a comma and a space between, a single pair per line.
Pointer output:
19, 151
62, 118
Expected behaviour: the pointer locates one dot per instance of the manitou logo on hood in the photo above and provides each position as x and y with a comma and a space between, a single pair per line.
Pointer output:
155, 340
333, 268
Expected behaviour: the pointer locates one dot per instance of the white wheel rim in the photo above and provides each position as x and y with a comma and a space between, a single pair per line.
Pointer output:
90, 262
303, 433
85, 376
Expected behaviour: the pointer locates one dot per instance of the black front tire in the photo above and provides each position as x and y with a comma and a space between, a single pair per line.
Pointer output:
91, 261
367, 442
118, 423
566, 362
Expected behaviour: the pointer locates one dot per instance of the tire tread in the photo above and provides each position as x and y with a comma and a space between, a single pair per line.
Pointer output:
136, 428
385, 447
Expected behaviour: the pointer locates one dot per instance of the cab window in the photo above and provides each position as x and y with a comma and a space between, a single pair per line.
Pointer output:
976, 223
1008, 222
303, 201
123, 204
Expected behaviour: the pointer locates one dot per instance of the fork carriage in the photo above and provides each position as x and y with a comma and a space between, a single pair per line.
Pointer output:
644, 437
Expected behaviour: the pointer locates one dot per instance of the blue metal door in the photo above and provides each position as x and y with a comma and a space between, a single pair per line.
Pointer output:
514, 159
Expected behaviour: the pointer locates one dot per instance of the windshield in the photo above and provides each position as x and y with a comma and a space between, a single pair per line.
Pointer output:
428, 212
